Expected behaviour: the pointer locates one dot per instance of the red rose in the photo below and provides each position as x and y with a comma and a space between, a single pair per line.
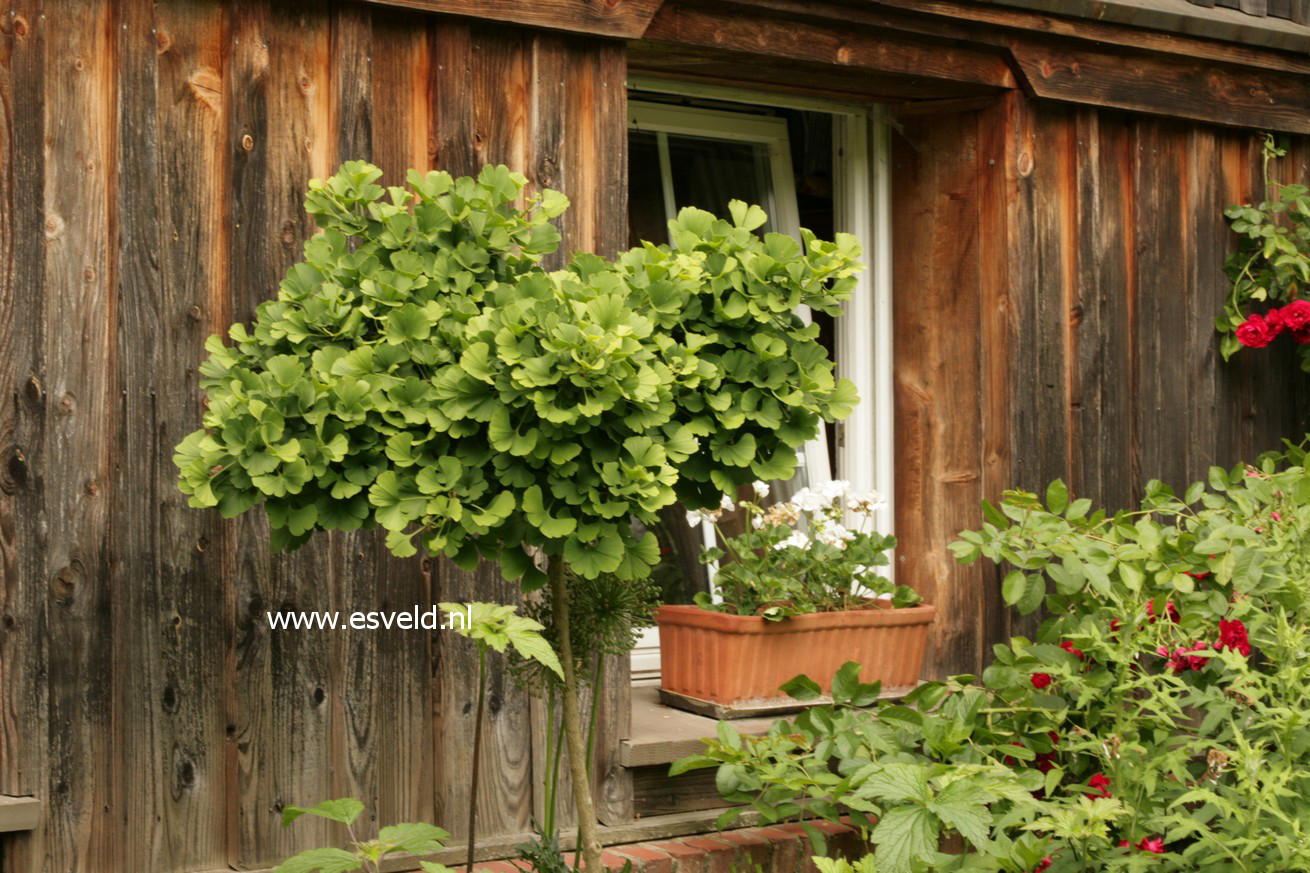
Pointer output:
1232, 635
1295, 315
1257, 332
1101, 783
1302, 336
1041, 680
1067, 645
1181, 660
1154, 845
1169, 608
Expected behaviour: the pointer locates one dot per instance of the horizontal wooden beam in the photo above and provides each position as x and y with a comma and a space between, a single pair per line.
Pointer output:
1164, 85
19, 813
743, 70
623, 19
830, 43
655, 827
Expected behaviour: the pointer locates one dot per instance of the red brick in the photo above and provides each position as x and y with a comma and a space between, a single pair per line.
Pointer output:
613, 861
646, 859
685, 858
789, 849
754, 851
719, 856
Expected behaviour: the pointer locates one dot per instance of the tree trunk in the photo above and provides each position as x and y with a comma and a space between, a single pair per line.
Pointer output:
588, 839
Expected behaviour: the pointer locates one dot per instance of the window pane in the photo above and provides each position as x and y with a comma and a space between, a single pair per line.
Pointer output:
646, 218
707, 173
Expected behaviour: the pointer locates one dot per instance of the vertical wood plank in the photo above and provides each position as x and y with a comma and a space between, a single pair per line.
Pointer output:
1101, 385
505, 789
280, 135
998, 176
1162, 392
193, 620
23, 386
452, 98
612, 782
141, 777
937, 365
400, 95
80, 315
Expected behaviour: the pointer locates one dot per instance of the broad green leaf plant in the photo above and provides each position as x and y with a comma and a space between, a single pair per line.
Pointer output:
413, 838
495, 628
420, 372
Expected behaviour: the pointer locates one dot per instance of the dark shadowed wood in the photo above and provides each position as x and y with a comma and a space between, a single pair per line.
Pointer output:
1162, 393
626, 19
739, 28
938, 384
24, 577
997, 182
1198, 89
133, 497
280, 137
1102, 353
193, 619
79, 125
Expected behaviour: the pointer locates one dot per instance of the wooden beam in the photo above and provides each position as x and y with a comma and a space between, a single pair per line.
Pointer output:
1172, 86
19, 813
624, 19
830, 43
717, 67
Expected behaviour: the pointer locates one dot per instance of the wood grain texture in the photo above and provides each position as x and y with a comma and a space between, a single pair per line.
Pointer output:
24, 740
505, 790
1195, 89
193, 617
937, 375
280, 136
80, 312
840, 43
625, 19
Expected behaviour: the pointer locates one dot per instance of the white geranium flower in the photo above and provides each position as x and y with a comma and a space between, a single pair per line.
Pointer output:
866, 502
757, 522
809, 500
796, 540
835, 535
696, 516
761, 489
726, 504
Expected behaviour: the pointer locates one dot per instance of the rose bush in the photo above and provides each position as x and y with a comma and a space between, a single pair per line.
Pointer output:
1171, 673
1159, 721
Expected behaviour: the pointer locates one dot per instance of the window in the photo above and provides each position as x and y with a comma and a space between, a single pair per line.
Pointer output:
809, 164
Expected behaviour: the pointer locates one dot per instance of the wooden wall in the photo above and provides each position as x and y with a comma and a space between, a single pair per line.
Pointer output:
1057, 274
153, 160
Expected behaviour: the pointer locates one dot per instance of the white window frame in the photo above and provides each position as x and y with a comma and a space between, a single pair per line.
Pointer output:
862, 207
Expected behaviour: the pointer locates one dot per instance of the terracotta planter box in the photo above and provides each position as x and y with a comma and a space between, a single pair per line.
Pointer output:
737, 662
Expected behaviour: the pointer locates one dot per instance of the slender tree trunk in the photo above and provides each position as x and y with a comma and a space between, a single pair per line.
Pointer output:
588, 839
477, 750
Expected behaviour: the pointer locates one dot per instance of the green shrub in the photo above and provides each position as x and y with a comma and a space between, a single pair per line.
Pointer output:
1160, 720
420, 372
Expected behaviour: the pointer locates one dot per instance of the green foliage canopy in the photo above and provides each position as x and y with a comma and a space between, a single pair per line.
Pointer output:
420, 371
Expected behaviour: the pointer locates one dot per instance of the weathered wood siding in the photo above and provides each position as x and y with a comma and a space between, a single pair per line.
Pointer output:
153, 160
1057, 272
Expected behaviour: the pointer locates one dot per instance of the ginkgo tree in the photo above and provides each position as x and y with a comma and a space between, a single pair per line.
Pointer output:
419, 371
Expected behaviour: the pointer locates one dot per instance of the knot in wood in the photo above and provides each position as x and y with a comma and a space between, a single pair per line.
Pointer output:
67, 403
247, 142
